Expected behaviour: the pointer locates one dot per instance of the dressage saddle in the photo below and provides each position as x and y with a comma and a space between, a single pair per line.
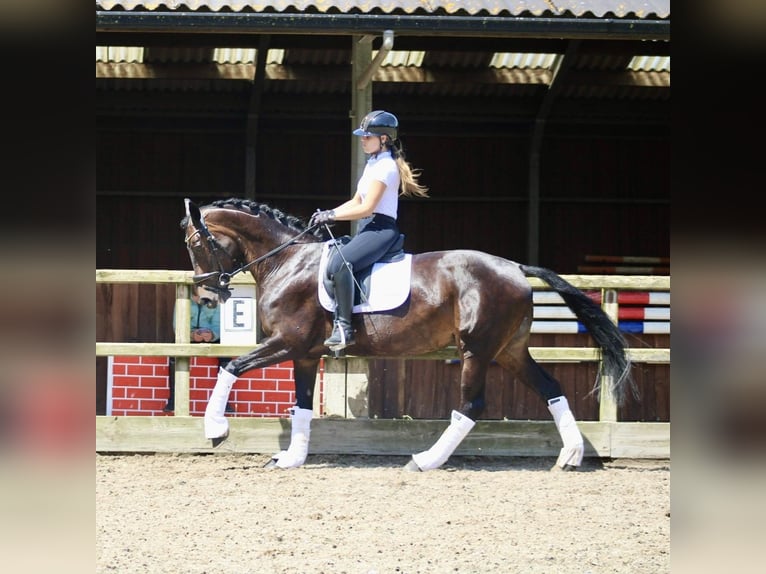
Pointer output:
362, 283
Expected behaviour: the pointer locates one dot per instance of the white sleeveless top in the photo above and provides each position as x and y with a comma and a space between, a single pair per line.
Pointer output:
382, 167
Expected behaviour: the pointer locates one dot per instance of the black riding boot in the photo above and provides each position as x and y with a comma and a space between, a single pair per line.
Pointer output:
342, 333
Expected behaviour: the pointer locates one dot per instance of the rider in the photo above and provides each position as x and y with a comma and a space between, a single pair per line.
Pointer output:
376, 200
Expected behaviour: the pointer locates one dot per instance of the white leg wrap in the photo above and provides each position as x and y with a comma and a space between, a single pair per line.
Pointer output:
572, 452
300, 432
216, 425
437, 455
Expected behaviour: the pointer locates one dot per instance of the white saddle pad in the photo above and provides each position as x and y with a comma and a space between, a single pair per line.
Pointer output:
389, 284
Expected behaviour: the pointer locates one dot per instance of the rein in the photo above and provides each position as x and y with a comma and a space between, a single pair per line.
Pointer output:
224, 277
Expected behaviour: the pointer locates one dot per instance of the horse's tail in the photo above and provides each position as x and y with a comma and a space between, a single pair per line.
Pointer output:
607, 335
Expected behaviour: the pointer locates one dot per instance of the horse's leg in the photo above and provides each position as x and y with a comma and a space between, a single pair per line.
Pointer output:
300, 416
570, 456
270, 351
528, 371
472, 380
216, 425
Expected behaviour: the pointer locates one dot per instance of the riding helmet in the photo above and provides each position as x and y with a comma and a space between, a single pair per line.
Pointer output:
376, 123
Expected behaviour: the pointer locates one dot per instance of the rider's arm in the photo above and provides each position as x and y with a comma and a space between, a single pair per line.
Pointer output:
356, 207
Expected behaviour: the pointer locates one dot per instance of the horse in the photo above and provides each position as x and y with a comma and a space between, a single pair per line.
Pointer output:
479, 302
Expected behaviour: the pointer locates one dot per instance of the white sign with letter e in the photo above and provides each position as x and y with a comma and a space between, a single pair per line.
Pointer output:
238, 317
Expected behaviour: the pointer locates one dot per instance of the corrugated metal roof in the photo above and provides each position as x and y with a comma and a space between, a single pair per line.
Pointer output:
537, 8
455, 52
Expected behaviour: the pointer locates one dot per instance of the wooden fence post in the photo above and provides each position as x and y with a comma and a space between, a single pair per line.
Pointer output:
183, 335
346, 386
607, 406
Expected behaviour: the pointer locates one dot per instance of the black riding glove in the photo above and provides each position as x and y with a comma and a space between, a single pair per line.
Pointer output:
321, 217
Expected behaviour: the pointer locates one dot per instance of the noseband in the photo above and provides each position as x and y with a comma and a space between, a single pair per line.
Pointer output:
223, 277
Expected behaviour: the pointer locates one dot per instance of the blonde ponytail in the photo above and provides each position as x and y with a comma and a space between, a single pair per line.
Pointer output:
409, 176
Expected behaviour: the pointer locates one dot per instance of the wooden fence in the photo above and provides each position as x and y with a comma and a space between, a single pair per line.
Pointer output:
606, 437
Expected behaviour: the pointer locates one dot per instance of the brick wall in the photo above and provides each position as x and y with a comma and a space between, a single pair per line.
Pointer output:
139, 386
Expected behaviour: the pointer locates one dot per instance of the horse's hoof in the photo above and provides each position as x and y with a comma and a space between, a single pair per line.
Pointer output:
411, 466
271, 464
219, 440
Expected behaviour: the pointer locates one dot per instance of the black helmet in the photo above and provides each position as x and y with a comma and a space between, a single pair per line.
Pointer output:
378, 122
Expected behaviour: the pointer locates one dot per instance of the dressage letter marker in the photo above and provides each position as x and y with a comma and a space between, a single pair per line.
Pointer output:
238, 317
239, 314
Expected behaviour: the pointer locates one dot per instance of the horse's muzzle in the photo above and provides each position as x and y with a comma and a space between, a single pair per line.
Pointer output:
222, 289
209, 303
223, 292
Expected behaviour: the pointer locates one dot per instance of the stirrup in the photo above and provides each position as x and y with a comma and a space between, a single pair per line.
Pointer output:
340, 338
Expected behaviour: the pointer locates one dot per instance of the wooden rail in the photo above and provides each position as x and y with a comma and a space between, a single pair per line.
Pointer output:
183, 433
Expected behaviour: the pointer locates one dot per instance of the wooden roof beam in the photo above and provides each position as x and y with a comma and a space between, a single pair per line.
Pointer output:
277, 72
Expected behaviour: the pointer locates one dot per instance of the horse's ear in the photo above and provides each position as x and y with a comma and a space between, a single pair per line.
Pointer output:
192, 211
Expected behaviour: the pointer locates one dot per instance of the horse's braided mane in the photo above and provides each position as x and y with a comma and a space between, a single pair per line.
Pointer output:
255, 208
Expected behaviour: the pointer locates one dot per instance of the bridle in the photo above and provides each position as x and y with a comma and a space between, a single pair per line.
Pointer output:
223, 277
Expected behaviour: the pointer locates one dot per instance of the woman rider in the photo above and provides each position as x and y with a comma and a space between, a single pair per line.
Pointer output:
386, 176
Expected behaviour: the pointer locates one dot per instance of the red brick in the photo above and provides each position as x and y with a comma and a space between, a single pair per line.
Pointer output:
265, 392
124, 404
264, 409
285, 386
277, 397
153, 405
277, 373
154, 382
141, 393
250, 396
265, 385
124, 381
141, 370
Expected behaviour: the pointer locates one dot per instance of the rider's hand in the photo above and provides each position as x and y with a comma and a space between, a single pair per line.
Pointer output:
321, 217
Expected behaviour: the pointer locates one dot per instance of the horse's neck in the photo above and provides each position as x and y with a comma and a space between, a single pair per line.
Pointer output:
289, 259
260, 243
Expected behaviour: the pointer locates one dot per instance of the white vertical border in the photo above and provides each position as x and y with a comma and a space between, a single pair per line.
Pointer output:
109, 380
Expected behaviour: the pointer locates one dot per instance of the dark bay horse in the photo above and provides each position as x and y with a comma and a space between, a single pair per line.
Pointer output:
478, 302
